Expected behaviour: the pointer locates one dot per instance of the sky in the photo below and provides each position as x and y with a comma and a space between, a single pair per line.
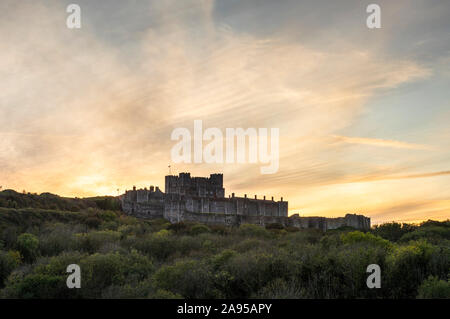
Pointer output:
363, 114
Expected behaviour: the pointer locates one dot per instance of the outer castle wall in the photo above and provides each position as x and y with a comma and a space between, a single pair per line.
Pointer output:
202, 199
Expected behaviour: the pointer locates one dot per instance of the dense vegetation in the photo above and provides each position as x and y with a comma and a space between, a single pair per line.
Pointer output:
124, 257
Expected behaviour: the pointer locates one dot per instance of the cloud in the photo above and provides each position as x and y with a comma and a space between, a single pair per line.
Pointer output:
83, 116
387, 177
380, 142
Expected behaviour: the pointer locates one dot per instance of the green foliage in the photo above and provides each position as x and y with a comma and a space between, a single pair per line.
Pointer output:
393, 231
164, 294
55, 239
179, 228
433, 288
368, 238
103, 270
253, 231
7, 264
280, 289
303, 236
28, 246
124, 257
199, 229
38, 286
155, 246
101, 274
189, 278
93, 241
407, 267
432, 233
13, 199
274, 226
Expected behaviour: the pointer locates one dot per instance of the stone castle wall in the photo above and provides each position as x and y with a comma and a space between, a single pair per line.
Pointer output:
203, 200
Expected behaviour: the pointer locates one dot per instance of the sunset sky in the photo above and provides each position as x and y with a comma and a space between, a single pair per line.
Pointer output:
364, 114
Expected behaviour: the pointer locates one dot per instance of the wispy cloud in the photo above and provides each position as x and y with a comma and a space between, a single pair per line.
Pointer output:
380, 142
392, 177
84, 116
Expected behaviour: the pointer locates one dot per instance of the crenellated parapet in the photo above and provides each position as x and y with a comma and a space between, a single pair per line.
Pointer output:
202, 199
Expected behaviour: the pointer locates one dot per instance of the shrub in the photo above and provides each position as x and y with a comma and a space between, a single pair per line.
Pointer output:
7, 264
158, 247
248, 272
199, 229
220, 229
407, 267
57, 240
28, 246
360, 237
280, 289
92, 242
179, 228
274, 226
103, 270
433, 288
305, 236
93, 222
164, 294
292, 229
430, 232
189, 278
393, 231
253, 230
38, 286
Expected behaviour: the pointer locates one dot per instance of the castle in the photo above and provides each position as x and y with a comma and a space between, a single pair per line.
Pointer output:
202, 199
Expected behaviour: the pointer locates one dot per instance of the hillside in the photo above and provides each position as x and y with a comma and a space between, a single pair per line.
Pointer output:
124, 257
12, 199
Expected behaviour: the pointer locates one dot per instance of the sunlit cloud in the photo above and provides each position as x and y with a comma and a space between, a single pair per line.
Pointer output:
81, 116
380, 142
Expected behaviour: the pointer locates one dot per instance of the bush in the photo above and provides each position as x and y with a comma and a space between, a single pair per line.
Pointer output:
189, 278
93, 241
393, 231
360, 237
60, 238
100, 271
431, 233
127, 257
39, 286
280, 289
274, 226
407, 267
433, 288
155, 246
199, 229
28, 246
179, 228
247, 273
7, 264
253, 231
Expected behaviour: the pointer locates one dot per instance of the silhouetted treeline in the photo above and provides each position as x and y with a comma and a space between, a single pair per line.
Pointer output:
12, 199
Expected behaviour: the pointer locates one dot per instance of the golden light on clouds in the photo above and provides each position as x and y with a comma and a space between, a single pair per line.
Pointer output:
81, 117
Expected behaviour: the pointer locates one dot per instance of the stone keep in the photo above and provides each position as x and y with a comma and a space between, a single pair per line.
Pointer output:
202, 199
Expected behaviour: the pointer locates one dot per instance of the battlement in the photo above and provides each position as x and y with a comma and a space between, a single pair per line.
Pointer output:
202, 199
184, 184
